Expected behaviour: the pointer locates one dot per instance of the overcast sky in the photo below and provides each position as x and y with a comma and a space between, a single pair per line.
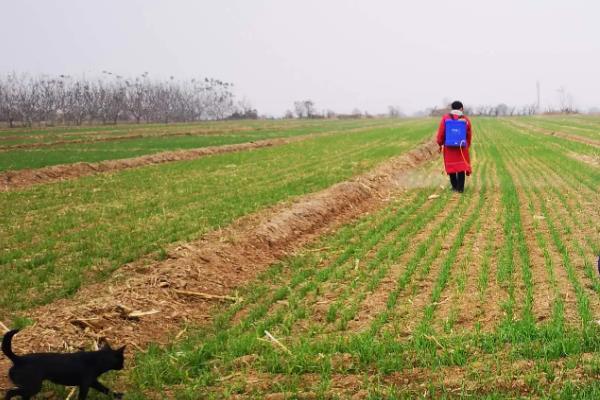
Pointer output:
342, 54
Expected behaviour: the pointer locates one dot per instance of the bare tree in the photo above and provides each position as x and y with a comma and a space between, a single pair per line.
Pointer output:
138, 97
111, 98
244, 110
309, 106
501, 110
565, 100
28, 100
299, 109
8, 100
394, 111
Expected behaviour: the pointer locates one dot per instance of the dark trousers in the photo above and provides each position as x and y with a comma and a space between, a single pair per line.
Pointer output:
457, 180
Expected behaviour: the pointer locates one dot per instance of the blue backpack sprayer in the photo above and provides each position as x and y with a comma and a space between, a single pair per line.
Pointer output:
456, 134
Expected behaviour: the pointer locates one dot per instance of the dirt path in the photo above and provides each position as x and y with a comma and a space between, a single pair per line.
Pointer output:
147, 302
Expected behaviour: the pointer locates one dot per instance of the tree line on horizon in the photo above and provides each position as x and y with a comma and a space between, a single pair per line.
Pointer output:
26, 100
65, 100
307, 109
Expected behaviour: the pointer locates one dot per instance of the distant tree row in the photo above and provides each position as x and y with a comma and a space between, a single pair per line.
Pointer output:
26, 100
503, 110
500, 110
307, 109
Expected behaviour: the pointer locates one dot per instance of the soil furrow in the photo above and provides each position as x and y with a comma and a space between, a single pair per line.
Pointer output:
325, 291
558, 217
543, 292
573, 242
373, 270
375, 301
468, 304
413, 300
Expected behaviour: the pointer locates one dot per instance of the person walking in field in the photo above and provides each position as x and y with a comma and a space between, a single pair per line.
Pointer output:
454, 139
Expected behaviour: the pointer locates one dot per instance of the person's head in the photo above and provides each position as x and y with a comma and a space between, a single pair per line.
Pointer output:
457, 105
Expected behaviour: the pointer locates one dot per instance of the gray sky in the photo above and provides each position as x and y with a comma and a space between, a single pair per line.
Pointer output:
340, 53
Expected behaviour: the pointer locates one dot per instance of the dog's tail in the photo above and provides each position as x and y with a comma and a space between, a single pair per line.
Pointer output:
7, 346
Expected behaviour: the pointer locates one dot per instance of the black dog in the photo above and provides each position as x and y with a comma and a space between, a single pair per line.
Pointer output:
73, 369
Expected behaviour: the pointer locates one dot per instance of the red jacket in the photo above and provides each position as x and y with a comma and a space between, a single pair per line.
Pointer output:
456, 159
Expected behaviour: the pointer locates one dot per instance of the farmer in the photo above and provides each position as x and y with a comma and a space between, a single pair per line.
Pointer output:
454, 138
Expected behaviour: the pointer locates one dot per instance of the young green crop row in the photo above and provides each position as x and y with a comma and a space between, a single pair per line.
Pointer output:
208, 127
381, 305
567, 227
65, 147
57, 237
578, 126
128, 131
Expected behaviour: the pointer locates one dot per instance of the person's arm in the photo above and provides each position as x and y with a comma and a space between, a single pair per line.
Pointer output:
441, 133
469, 132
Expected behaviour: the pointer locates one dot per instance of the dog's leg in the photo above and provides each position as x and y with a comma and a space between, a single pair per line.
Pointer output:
100, 387
26, 393
103, 389
83, 391
12, 393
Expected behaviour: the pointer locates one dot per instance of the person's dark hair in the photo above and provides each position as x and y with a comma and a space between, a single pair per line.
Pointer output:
457, 105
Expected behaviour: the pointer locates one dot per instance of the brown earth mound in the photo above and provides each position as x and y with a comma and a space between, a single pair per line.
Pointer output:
92, 139
28, 177
147, 301
63, 142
